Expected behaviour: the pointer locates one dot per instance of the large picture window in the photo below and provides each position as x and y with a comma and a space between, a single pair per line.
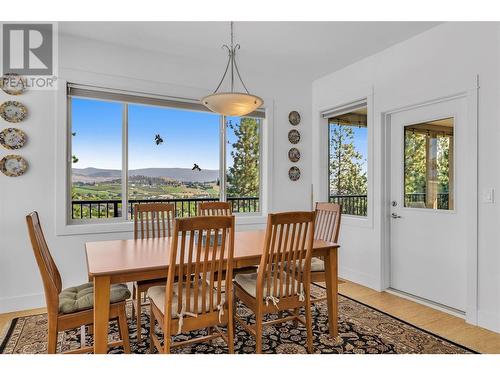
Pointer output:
348, 161
126, 151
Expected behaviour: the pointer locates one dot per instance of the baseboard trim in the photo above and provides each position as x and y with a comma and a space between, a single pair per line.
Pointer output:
423, 301
488, 320
359, 278
19, 303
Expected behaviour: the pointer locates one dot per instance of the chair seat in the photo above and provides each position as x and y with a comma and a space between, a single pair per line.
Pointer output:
81, 297
157, 295
152, 282
248, 282
317, 265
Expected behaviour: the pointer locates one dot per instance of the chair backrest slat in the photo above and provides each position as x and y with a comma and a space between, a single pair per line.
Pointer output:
51, 278
202, 249
286, 261
328, 216
153, 220
214, 209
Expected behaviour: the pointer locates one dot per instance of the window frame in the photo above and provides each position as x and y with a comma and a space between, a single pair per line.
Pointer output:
365, 96
184, 104
328, 115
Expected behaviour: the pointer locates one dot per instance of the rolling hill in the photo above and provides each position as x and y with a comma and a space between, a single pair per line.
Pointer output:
179, 174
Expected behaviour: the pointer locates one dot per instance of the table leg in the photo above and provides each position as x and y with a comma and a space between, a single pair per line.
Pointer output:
331, 276
101, 314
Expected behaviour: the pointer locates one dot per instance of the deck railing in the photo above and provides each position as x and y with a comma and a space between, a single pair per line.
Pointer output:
413, 200
358, 204
352, 204
101, 209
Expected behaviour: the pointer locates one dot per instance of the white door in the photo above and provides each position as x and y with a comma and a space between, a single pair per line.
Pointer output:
429, 193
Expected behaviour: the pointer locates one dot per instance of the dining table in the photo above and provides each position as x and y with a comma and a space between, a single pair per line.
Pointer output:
122, 261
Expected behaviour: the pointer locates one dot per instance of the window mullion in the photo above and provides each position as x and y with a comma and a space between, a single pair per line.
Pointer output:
222, 159
125, 162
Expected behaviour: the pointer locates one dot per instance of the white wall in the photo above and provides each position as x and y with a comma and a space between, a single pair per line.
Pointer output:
440, 62
83, 60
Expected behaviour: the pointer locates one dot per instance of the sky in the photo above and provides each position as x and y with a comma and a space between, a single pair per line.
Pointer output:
360, 142
188, 137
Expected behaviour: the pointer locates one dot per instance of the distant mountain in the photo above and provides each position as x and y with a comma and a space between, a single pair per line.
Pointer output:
179, 174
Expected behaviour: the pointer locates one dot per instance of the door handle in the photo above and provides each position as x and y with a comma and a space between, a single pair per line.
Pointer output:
395, 216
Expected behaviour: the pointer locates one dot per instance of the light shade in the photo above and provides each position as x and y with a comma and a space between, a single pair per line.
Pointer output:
232, 103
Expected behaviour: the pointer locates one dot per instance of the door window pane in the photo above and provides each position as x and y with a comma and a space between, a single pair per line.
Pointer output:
173, 156
348, 155
96, 145
428, 169
243, 163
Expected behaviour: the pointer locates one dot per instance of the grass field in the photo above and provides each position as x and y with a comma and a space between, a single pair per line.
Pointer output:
112, 191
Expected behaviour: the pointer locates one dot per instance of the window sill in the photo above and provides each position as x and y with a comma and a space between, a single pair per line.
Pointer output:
243, 222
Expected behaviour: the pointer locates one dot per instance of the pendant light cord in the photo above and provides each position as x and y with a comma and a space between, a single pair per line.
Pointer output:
231, 62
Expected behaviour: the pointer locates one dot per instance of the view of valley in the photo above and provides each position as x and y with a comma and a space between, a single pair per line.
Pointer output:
157, 138
152, 183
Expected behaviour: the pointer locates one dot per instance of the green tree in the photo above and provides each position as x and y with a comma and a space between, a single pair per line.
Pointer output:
415, 162
243, 175
443, 163
347, 176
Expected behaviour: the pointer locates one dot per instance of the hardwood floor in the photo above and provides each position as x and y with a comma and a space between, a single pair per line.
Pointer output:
440, 323
432, 320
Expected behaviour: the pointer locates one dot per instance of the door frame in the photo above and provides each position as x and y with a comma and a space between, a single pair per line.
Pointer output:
471, 97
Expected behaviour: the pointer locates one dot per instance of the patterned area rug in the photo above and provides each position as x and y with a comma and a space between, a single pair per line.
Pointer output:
362, 329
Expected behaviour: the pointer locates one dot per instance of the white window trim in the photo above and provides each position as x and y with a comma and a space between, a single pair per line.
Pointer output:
63, 223
323, 177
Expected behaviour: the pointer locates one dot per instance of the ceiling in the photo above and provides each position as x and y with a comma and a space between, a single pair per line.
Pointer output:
311, 49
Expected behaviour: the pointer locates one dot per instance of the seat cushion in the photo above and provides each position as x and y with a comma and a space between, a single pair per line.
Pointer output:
317, 265
81, 297
157, 295
248, 282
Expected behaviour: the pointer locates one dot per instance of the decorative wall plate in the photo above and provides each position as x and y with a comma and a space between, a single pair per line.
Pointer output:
294, 173
13, 111
13, 84
12, 138
294, 154
13, 165
294, 136
294, 118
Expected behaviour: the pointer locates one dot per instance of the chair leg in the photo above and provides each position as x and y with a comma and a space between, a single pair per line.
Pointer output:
296, 321
52, 335
309, 325
133, 301
152, 323
138, 314
123, 326
230, 329
167, 338
258, 332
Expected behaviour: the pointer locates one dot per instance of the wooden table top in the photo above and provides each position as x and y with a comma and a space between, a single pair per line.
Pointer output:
130, 256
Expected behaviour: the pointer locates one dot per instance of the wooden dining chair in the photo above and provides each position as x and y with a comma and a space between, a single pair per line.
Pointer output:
151, 220
283, 279
202, 248
72, 307
222, 209
327, 228
214, 209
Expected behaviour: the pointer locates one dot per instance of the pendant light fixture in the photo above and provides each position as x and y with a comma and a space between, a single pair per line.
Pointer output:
232, 103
